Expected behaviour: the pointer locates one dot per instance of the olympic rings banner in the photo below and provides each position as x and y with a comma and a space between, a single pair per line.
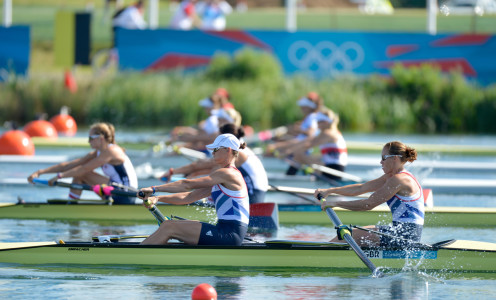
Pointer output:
316, 53
15, 47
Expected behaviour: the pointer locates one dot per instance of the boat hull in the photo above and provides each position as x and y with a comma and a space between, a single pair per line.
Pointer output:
288, 214
250, 255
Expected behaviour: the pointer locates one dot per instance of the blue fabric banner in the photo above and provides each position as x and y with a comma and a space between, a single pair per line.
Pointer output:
315, 53
15, 47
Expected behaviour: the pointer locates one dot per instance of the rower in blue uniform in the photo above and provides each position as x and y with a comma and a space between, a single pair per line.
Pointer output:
227, 188
398, 188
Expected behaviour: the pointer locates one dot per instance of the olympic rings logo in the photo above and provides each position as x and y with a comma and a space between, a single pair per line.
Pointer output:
326, 57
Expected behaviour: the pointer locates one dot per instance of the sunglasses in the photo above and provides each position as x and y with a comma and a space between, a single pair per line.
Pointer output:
217, 149
384, 157
94, 136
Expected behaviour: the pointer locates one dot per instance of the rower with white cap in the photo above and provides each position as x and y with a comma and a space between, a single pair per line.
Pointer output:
227, 188
333, 150
306, 129
207, 130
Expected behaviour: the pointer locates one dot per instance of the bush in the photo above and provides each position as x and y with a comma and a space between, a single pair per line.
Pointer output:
247, 64
420, 100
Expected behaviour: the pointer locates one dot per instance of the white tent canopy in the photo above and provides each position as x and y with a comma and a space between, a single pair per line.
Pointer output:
7, 13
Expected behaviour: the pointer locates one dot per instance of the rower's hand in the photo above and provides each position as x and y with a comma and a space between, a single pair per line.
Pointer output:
33, 176
324, 204
144, 193
322, 192
53, 180
167, 176
151, 201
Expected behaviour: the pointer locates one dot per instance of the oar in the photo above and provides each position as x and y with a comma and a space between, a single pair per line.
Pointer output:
310, 170
23, 245
293, 193
345, 233
186, 152
305, 191
104, 190
337, 173
76, 186
154, 210
267, 135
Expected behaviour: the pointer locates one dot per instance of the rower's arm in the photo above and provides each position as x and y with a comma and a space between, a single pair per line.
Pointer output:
383, 194
63, 166
185, 198
355, 189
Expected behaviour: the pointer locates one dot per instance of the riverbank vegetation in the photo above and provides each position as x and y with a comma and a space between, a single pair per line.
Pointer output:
413, 100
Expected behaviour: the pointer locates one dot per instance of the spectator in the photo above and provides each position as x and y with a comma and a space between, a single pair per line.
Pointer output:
185, 17
213, 14
130, 17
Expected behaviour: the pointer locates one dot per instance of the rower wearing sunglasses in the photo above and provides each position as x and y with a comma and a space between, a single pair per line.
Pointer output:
116, 165
398, 188
227, 188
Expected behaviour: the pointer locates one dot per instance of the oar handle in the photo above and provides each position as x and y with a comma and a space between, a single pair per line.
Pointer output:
154, 210
346, 235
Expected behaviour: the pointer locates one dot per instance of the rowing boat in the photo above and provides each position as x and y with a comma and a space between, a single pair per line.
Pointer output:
453, 255
306, 214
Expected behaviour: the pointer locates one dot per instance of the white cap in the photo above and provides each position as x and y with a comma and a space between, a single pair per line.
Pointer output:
307, 103
321, 117
225, 140
207, 103
223, 114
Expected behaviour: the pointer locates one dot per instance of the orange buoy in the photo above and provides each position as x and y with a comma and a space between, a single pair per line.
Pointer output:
204, 291
41, 128
64, 124
16, 142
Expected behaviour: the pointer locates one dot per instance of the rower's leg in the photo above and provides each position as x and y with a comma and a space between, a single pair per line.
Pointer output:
91, 178
184, 230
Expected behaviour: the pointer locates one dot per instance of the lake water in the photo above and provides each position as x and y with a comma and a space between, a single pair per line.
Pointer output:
110, 282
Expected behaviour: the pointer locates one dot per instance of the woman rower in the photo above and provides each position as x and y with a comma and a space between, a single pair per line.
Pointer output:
228, 190
301, 131
333, 150
207, 130
399, 188
247, 163
116, 165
